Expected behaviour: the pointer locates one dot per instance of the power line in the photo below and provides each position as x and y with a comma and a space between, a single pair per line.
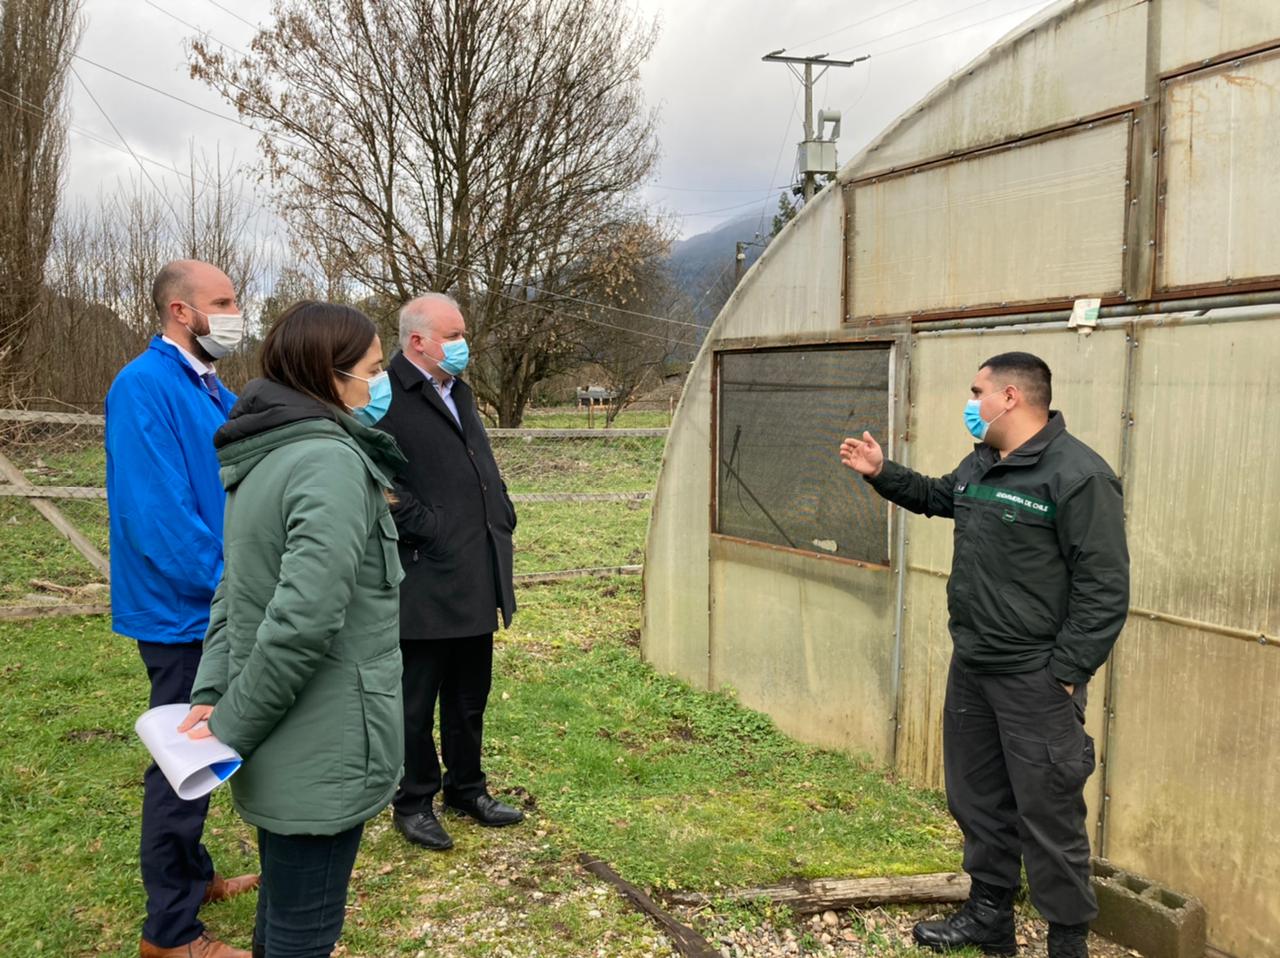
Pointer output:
945, 16
726, 209
234, 14
703, 189
857, 23
533, 304
26, 106
165, 93
452, 265
141, 166
192, 26
786, 134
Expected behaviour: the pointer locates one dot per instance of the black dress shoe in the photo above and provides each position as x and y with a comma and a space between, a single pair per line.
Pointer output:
487, 811
423, 828
985, 920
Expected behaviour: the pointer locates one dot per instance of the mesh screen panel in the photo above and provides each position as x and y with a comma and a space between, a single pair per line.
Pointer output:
782, 415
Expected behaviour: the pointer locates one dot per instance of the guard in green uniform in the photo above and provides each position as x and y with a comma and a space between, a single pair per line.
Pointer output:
1038, 593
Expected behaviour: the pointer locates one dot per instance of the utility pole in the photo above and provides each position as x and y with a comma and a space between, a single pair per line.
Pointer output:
740, 257
816, 154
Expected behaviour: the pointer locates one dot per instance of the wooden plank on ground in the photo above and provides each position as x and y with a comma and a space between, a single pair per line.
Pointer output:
537, 578
16, 477
571, 496
686, 941
576, 433
63, 418
32, 491
835, 894
20, 613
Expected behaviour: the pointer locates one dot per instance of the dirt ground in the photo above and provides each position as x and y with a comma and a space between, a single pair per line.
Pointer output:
856, 934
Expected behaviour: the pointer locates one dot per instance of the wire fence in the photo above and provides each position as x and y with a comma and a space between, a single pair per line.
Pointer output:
582, 497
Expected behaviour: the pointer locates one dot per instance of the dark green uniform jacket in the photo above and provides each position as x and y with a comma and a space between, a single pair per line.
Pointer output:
1040, 569
302, 658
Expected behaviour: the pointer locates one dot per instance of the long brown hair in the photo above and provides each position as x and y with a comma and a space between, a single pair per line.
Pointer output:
310, 342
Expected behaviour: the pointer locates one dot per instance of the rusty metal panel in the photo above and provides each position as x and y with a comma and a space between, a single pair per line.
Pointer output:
1192, 31
1088, 381
1195, 760
1038, 222
808, 641
1064, 65
1220, 218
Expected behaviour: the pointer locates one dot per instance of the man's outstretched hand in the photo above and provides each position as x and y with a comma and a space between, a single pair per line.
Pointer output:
864, 456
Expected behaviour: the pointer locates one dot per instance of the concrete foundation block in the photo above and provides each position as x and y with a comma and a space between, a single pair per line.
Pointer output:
1144, 915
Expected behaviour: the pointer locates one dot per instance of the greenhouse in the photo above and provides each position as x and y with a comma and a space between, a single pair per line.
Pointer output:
1108, 150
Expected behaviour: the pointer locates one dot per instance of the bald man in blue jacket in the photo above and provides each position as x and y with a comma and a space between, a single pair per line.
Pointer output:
166, 502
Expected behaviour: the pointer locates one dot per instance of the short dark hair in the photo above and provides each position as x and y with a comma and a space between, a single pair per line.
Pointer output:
310, 342
1028, 372
173, 278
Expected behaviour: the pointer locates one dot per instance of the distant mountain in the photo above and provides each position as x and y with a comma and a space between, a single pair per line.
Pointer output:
705, 261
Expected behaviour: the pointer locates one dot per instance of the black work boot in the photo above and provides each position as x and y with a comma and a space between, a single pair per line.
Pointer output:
985, 920
1068, 941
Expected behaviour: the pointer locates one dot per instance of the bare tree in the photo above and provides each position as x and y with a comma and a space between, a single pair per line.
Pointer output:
649, 320
104, 258
37, 39
217, 218
483, 147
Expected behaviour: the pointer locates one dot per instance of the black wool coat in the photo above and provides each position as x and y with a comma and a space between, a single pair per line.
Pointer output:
454, 515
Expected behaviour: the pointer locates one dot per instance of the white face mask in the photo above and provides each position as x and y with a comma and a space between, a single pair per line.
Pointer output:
226, 332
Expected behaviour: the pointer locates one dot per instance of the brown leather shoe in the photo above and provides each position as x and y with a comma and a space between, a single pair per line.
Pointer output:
202, 947
220, 889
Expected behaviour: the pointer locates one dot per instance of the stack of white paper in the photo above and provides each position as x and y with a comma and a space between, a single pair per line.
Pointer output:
194, 767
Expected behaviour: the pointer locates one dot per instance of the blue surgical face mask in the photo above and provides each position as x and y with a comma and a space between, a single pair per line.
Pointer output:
379, 398
974, 422
456, 356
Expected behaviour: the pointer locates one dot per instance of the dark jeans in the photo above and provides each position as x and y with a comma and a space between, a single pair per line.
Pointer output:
459, 673
302, 900
176, 868
1017, 757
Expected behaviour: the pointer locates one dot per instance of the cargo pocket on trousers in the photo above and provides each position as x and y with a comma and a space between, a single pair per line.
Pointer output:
389, 539
380, 702
1073, 762
1058, 767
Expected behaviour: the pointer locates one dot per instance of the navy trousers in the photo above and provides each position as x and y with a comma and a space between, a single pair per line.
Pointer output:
176, 868
303, 896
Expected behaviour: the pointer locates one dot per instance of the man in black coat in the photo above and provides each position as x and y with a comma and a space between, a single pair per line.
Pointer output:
455, 521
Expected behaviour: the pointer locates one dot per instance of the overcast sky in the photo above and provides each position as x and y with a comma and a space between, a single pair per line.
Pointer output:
729, 123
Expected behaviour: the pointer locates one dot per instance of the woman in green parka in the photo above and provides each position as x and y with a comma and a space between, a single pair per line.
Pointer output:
301, 665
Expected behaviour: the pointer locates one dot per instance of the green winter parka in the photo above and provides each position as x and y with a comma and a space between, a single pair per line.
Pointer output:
302, 660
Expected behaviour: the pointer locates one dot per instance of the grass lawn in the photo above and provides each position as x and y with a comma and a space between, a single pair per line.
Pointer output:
674, 787
566, 417
595, 464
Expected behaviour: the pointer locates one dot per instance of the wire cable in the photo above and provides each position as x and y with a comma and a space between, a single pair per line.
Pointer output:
141, 166
234, 14
18, 103
172, 96
947, 33
857, 23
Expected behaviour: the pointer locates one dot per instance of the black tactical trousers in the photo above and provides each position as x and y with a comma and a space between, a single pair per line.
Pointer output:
1017, 757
